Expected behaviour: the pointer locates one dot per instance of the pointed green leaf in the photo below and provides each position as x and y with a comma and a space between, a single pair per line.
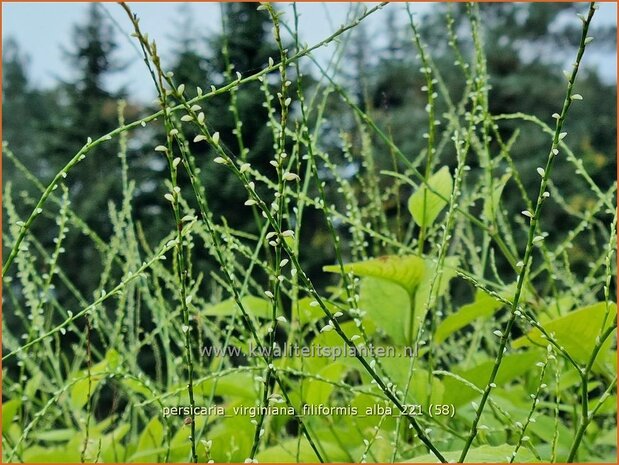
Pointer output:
441, 286
150, 443
425, 205
513, 366
483, 305
82, 388
387, 304
406, 270
576, 332
9, 410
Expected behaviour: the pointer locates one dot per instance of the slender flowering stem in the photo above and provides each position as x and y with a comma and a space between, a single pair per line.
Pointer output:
534, 218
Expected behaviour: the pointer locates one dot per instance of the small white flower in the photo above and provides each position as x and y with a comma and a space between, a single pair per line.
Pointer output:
546, 194
576, 97
274, 163
288, 233
269, 294
337, 314
541, 172
562, 135
175, 162
314, 303
588, 40
326, 328
250, 202
355, 337
283, 263
244, 167
216, 138
271, 62
169, 197
497, 333
161, 148
538, 239
555, 151
173, 132
186, 118
180, 89
185, 328
201, 117
281, 319
220, 160
287, 101
556, 115
291, 177
199, 138
196, 107
527, 213
520, 264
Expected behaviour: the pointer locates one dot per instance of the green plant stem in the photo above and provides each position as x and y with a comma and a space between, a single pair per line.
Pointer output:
535, 216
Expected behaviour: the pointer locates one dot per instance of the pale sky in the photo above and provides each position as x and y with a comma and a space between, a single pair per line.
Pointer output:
43, 29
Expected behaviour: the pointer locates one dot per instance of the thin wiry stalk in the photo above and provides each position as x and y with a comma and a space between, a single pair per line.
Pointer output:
534, 219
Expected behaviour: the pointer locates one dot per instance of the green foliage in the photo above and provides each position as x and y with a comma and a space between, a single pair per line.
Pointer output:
406, 271
271, 242
424, 205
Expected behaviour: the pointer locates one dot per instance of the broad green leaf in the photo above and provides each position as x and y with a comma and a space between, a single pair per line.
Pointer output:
576, 332
512, 367
62, 454
308, 314
442, 183
387, 304
482, 454
9, 410
232, 437
406, 270
318, 392
331, 344
112, 450
484, 305
255, 306
419, 391
150, 443
232, 385
441, 286
362, 402
81, 389
492, 204
55, 435
137, 387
